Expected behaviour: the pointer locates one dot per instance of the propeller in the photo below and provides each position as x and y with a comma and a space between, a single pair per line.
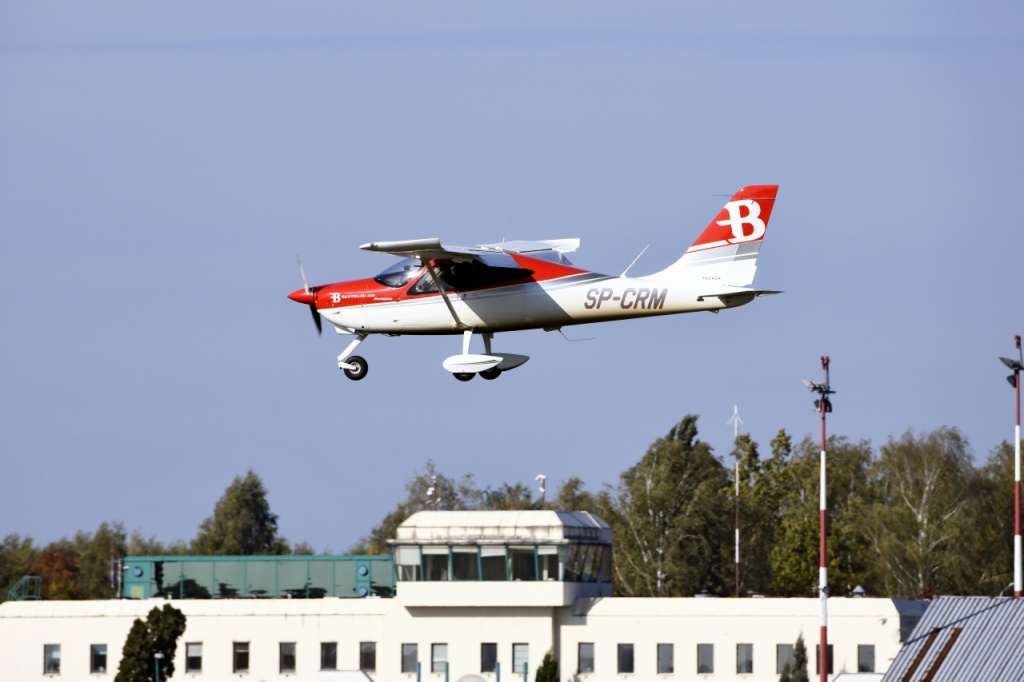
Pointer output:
309, 298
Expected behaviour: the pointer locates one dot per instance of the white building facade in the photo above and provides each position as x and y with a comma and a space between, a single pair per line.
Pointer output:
480, 595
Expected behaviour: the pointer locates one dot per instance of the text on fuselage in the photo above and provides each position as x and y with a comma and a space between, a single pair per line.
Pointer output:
631, 299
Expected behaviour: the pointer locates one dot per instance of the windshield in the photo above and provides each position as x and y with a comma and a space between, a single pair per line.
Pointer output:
399, 274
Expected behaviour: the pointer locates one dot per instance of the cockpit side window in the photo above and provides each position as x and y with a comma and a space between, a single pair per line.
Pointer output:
400, 274
466, 276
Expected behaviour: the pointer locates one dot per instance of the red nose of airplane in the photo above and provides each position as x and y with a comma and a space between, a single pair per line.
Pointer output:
302, 296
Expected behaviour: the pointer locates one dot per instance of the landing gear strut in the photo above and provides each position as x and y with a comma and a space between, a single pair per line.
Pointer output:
354, 366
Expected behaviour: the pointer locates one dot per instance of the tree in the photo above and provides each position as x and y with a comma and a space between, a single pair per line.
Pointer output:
96, 552
428, 490
548, 670
923, 525
794, 556
669, 519
242, 523
158, 633
572, 496
16, 556
57, 565
798, 669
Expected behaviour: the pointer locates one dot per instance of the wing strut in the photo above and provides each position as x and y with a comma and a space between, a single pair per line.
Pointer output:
444, 295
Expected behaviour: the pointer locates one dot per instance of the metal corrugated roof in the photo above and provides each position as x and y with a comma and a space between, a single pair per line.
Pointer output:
964, 638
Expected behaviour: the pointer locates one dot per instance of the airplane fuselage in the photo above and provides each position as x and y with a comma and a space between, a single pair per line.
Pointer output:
551, 296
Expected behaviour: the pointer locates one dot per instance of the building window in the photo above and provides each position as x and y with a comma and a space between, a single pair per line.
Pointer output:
368, 656
465, 563
97, 658
706, 658
488, 657
409, 656
585, 657
666, 658
51, 659
240, 657
625, 658
744, 659
193, 657
865, 658
783, 657
287, 657
328, 655
817, 659
492, 563
438, 657
522, 563
520, 658
435, 563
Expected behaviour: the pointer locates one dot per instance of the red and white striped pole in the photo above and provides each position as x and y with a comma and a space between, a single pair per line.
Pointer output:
824, 406
1014, 379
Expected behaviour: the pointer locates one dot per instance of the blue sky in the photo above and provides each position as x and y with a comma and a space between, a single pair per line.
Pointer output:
162, 165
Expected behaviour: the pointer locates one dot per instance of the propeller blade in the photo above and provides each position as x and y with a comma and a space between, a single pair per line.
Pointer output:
317, 320
305, 283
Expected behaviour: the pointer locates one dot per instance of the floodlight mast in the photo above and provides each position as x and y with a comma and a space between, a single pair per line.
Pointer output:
824, 406
1014, 379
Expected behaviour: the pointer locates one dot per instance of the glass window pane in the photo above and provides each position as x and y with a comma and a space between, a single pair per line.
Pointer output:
783, 655
666, 658
194, 657
368, 656
492, 560
625, 658
287, 657
744, 658
435, 566
438, 657
706, 658
464, 563
328, 655
522, 565
865, 658
51, 658
409, 657
520, 658
240, 657
488, 657
98, 658
586, 657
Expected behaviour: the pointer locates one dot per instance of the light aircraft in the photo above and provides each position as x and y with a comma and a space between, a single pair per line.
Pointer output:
437, 289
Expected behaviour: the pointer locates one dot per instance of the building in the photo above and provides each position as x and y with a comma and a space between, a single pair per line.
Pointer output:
479, 596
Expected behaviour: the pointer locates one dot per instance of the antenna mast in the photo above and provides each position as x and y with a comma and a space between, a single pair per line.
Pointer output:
736, 421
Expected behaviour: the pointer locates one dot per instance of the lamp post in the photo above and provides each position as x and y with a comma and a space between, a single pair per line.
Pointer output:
157, 657
824, 406
1014, 379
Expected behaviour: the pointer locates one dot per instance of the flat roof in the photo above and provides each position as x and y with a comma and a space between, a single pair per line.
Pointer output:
487, 527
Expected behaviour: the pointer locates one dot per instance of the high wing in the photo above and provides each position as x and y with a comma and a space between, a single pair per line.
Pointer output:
494, 255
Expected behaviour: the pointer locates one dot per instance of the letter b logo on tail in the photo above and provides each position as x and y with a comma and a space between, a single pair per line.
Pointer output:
744, 220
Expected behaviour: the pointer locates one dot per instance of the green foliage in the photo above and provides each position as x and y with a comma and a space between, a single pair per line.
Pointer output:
242, 523
158, 633
16, 556
548, 670
669, 520
798, 669
924, 528
794, 485
96, 552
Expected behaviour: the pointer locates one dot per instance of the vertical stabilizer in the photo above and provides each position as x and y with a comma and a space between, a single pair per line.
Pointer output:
725, 254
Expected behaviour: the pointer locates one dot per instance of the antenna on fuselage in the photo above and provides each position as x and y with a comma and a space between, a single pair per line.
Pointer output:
634, 261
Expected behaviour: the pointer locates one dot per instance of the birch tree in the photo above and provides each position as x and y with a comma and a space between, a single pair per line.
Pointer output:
670, 519
921, 526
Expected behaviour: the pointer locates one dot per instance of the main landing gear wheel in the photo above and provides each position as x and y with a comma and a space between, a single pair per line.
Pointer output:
359, 368
491, 374
463, 376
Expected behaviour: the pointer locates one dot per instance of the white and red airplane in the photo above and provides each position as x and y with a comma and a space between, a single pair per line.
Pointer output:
505, 287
